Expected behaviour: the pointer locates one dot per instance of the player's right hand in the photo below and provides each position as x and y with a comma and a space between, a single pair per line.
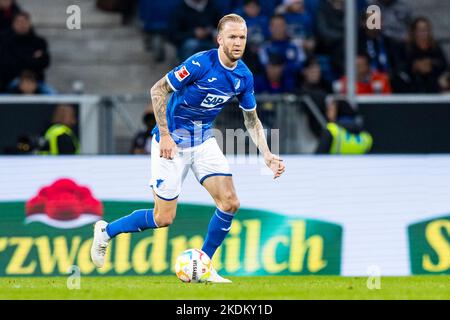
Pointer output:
275, 164
167, 147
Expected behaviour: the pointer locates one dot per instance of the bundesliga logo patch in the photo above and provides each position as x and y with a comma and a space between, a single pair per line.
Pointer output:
182, 74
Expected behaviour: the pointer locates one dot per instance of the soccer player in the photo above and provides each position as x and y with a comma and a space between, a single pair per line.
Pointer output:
183, 139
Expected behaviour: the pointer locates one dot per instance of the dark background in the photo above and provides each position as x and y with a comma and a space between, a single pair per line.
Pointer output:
408, 128
28, 119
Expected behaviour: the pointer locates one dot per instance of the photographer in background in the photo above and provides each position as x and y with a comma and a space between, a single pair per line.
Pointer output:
26, 143
60, 138
344, 132
143, 139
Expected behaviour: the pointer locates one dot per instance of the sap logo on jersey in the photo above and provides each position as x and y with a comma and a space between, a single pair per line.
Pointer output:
213, 100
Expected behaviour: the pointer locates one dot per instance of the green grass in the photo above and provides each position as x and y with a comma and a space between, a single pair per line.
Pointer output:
267, 287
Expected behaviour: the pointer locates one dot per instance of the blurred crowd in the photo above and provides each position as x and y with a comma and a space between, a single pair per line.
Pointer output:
297, 45
293, 46
24, 55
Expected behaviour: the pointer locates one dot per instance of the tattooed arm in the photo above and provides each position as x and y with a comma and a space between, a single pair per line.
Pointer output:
256, 131
160, 92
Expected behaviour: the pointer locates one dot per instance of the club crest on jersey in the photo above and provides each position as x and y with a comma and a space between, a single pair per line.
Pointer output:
212, 100
237, 85
182, 74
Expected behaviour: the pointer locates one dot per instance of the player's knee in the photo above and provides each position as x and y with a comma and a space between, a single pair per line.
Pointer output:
230, 204
163, 221
164, 218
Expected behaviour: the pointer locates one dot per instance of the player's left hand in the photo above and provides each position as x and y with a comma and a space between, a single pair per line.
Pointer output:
275, 164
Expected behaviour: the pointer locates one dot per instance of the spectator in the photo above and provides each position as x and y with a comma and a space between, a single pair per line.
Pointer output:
28, 83
277, 78
396, 17
267, 6
60, 137
143, 139
8, 9
330, 31
23, 49
281, 45
312, 84
344, 132
299, 22
258, 32
257, 23
312, 6
367, 81
381, 50
311, 80
193, 26
425, 60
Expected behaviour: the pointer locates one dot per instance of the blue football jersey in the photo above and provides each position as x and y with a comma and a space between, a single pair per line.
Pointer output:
202, 85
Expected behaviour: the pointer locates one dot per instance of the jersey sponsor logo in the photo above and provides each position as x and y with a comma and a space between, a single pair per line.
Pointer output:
196, 63
182, 74
212, 100
212, 79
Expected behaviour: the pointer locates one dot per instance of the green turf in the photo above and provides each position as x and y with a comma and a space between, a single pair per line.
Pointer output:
273, 287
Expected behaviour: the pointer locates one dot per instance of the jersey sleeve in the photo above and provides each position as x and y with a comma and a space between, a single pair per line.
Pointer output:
186, 73
247, 101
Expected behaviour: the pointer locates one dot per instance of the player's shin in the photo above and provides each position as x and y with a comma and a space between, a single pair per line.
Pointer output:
218, 228
137, 221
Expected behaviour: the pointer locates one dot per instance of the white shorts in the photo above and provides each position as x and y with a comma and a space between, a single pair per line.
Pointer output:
167, 176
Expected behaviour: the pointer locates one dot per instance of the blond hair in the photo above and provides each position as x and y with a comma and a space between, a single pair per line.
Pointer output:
229, 18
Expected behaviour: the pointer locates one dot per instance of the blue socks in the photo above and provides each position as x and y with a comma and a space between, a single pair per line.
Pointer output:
218, 229
143, 219
137, 221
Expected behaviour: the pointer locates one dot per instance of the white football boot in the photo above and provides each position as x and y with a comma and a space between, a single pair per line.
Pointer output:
215, 278
99, 243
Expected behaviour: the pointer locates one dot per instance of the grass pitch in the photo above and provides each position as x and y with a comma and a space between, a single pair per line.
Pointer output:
245, 288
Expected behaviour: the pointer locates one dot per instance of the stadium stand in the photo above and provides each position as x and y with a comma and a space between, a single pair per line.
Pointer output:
96, 54
112, 58
110, 48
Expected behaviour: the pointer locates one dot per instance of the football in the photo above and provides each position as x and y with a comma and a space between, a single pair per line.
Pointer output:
193, 265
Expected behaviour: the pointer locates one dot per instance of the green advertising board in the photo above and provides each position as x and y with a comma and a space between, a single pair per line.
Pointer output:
259, 243
429, 245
